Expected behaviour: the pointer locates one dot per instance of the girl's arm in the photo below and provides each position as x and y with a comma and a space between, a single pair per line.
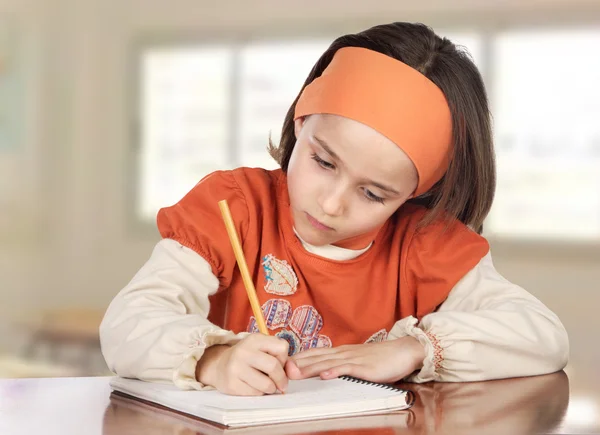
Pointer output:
487, 328
156, 328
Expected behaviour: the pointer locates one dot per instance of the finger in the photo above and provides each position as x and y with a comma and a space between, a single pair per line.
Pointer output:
241, 388
272, 367
292, 371
307, 362
316, 351
277, 347
347, 369
317, 368
259, 381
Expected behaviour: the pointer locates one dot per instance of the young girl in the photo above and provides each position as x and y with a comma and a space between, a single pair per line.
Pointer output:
365, 246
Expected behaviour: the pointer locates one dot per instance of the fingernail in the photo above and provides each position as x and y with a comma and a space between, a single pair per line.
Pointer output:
327, 373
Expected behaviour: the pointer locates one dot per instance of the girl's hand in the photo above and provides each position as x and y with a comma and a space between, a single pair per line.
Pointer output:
252, 367
386, 362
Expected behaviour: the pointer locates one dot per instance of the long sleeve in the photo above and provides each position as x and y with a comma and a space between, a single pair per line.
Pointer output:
487, 328
156, 328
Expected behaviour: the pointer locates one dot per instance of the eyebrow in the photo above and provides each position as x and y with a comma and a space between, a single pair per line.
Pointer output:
329, 151
324, 145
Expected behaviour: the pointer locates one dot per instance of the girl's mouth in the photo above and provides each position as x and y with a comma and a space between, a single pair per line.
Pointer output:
318, 225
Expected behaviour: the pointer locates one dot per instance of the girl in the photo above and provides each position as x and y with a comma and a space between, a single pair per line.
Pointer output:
365, 245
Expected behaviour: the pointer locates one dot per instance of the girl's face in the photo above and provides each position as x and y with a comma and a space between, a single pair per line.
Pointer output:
344, 179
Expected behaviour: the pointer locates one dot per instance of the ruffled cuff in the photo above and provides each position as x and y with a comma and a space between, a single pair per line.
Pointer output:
184, 376
433, 351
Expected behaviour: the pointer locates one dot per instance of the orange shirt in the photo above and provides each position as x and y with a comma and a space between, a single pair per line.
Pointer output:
309, 300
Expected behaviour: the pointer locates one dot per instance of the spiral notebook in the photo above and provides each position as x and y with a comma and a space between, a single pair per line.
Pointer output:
308, 399
126, 411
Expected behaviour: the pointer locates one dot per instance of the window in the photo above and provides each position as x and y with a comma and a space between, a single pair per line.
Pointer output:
271, 75
204, 108
185, 133
199, 112
546, 108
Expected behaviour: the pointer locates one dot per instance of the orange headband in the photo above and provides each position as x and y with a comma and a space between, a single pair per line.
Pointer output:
390, 97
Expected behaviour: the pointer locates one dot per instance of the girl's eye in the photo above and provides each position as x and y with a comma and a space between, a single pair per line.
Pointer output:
321, 162
372, 197
326, 165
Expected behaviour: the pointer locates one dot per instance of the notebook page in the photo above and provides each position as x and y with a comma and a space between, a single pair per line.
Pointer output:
308, 392
312, 392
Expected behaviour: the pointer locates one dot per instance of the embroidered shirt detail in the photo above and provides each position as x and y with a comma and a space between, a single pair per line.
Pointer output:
300, 328
318, 341
292, 339
252, 327
378, 337
306, 321
438, 352
279, 275
277, 313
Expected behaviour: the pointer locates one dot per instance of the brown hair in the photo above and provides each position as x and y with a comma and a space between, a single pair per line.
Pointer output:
466, 191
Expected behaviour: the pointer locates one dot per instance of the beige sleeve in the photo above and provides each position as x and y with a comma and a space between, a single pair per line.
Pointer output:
156, 328
487, 328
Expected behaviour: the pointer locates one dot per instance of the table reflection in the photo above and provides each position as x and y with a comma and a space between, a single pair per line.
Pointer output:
509, 406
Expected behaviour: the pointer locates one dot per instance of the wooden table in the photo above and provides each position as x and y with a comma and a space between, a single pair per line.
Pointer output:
556, 403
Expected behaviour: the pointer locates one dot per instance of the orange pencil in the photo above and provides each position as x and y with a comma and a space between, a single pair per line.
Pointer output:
241, 261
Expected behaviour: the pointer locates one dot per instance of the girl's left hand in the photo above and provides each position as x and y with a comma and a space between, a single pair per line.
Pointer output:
386, 362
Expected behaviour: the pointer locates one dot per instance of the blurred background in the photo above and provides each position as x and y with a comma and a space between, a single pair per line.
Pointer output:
110, 109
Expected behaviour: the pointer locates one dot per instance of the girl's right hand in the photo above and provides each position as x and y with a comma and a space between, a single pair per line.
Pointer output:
252, 367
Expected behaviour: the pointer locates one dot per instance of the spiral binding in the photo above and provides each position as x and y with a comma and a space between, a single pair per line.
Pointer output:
410, 396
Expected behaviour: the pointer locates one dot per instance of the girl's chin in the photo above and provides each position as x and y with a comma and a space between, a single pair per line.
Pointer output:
312, 237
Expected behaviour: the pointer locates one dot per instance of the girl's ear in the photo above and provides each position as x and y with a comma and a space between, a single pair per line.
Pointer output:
298, 123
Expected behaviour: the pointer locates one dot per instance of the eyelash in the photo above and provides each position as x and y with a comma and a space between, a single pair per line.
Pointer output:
322, 163
326, 165
374, 198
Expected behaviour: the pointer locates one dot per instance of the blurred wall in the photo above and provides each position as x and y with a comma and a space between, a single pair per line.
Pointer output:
71, 241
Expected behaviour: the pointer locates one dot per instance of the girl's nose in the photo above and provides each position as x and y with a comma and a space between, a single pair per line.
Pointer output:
332, 201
